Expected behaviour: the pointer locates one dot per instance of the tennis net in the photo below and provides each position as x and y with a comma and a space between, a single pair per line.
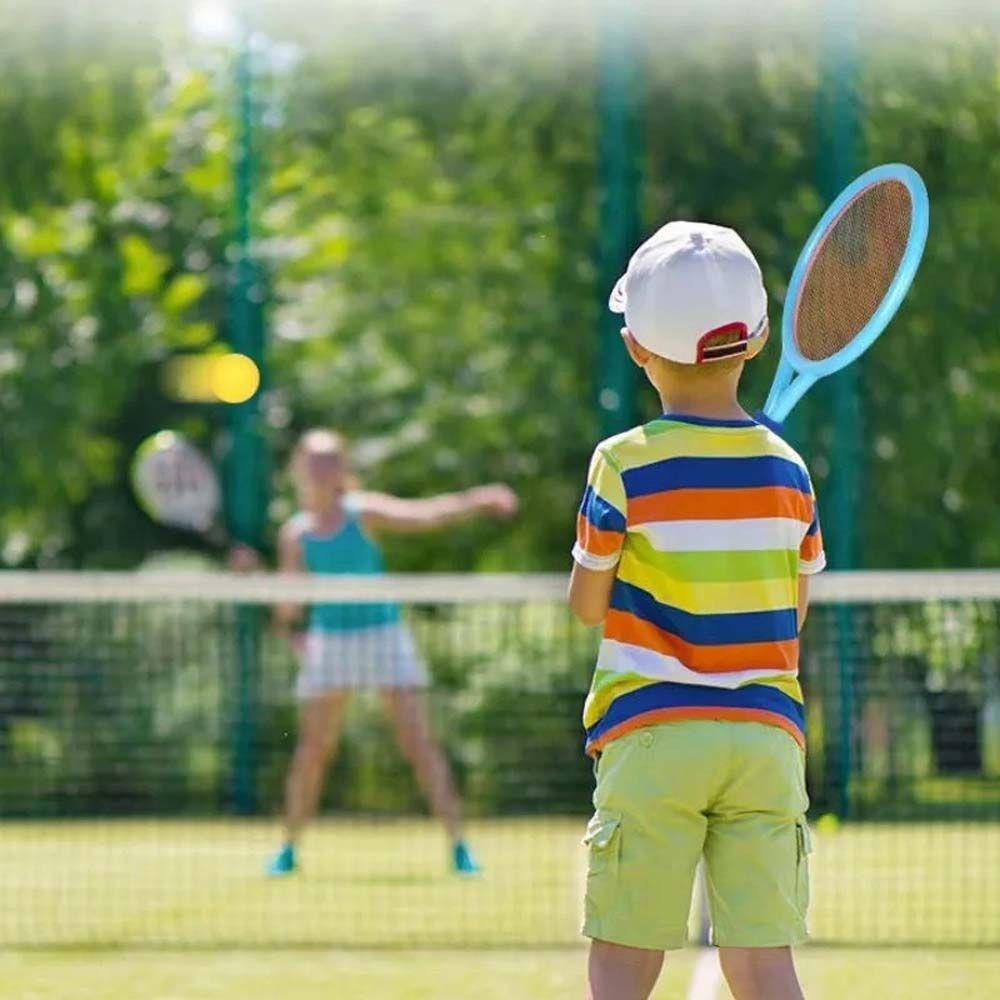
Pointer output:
147, 722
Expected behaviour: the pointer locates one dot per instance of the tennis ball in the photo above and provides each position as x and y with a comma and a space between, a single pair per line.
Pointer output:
235, 378
828, 823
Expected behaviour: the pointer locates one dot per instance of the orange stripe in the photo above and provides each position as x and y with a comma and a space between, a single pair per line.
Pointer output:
811, 547
596, 541
625, 627
658, 715
722, 504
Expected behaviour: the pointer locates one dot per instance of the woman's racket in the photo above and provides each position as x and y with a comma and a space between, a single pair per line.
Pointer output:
849, 280
175, 484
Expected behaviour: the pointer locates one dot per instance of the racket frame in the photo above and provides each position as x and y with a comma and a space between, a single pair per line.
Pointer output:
784, 392
147, 448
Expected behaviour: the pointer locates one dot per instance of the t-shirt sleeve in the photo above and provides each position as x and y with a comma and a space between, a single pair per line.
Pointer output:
600, 523
812, 558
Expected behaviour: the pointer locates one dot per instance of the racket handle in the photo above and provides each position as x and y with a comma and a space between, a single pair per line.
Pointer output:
780, 407
781, 379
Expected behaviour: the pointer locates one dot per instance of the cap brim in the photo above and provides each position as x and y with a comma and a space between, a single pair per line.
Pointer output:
616, 301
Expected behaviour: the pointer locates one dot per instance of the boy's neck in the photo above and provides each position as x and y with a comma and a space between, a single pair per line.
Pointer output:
703, 398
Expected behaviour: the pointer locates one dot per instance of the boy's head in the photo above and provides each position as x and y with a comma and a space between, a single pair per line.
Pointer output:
694, 304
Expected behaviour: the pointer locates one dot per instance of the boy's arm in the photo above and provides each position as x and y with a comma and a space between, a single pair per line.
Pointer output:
600, 536
384, 512
590, 593
803, 600
812, 559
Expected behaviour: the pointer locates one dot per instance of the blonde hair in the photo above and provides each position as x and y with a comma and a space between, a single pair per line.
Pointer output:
325, 441
321, 441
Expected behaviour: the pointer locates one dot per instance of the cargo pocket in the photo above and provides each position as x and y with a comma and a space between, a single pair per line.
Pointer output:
803, 848
603, 837
603, 842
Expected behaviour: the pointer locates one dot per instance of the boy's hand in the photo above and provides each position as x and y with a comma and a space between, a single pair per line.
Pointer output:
495, 499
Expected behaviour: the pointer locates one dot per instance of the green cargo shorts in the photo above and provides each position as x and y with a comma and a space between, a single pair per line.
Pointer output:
733, 792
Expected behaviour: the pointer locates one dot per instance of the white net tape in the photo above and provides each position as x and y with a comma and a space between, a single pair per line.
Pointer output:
43, 587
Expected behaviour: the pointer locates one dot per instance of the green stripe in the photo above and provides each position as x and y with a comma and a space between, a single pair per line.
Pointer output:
657, 427
603, 678
717, 566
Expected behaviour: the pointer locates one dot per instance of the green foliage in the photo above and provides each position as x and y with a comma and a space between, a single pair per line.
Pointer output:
426, 220
116, 259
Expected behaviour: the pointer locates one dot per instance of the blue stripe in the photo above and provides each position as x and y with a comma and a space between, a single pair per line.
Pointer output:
715, 473
771, 424
667, 694
600, 513
706, 630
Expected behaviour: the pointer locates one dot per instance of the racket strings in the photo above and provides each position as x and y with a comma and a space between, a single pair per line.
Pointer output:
177, 485
852, 268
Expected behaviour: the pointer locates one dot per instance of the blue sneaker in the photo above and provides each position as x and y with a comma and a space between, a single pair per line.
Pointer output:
282, 862
463, 863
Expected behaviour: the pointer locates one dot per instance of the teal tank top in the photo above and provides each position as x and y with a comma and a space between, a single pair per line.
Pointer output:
347, 550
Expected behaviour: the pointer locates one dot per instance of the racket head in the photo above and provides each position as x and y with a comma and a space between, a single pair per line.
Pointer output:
864, 252
174, 483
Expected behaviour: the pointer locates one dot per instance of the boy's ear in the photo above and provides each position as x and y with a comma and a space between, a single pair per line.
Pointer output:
636, 351
758, 345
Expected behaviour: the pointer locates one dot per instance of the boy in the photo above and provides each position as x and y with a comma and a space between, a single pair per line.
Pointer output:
695, 540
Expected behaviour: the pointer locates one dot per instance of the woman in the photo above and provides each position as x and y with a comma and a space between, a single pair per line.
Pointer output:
351, 646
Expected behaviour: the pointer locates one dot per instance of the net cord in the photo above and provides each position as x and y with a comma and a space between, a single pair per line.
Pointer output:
144, 587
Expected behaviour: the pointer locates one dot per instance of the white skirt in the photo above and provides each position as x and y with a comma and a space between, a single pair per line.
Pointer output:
378, 656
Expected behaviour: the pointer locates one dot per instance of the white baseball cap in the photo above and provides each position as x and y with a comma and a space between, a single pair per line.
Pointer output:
688, 282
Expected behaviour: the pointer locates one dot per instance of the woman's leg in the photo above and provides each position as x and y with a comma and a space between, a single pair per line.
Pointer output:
408, 711
319, 729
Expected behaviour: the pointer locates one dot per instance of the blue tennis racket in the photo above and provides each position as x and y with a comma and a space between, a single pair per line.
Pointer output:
849, 280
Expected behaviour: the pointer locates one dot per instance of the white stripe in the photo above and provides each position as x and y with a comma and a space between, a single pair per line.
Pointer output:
706, 977
817, 565
744, 535
589, 561
624, 658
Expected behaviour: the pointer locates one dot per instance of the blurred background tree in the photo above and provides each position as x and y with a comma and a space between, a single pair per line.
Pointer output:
427, 222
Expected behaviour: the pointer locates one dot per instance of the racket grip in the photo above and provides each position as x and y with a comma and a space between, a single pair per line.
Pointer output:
775, 425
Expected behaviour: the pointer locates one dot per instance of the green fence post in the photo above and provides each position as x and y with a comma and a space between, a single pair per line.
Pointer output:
838, 141
619, 179
246, 480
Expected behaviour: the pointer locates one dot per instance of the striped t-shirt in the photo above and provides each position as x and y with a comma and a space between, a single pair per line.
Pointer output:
710, 523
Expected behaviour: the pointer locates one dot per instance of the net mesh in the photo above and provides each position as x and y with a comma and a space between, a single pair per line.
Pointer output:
851, 269
146, 724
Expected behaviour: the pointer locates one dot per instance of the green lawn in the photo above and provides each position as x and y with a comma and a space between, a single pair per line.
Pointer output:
383, 918
828, 974
385, 884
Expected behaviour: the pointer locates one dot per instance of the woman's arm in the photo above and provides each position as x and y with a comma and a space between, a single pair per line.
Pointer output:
590, 593
289, 561
384, 512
